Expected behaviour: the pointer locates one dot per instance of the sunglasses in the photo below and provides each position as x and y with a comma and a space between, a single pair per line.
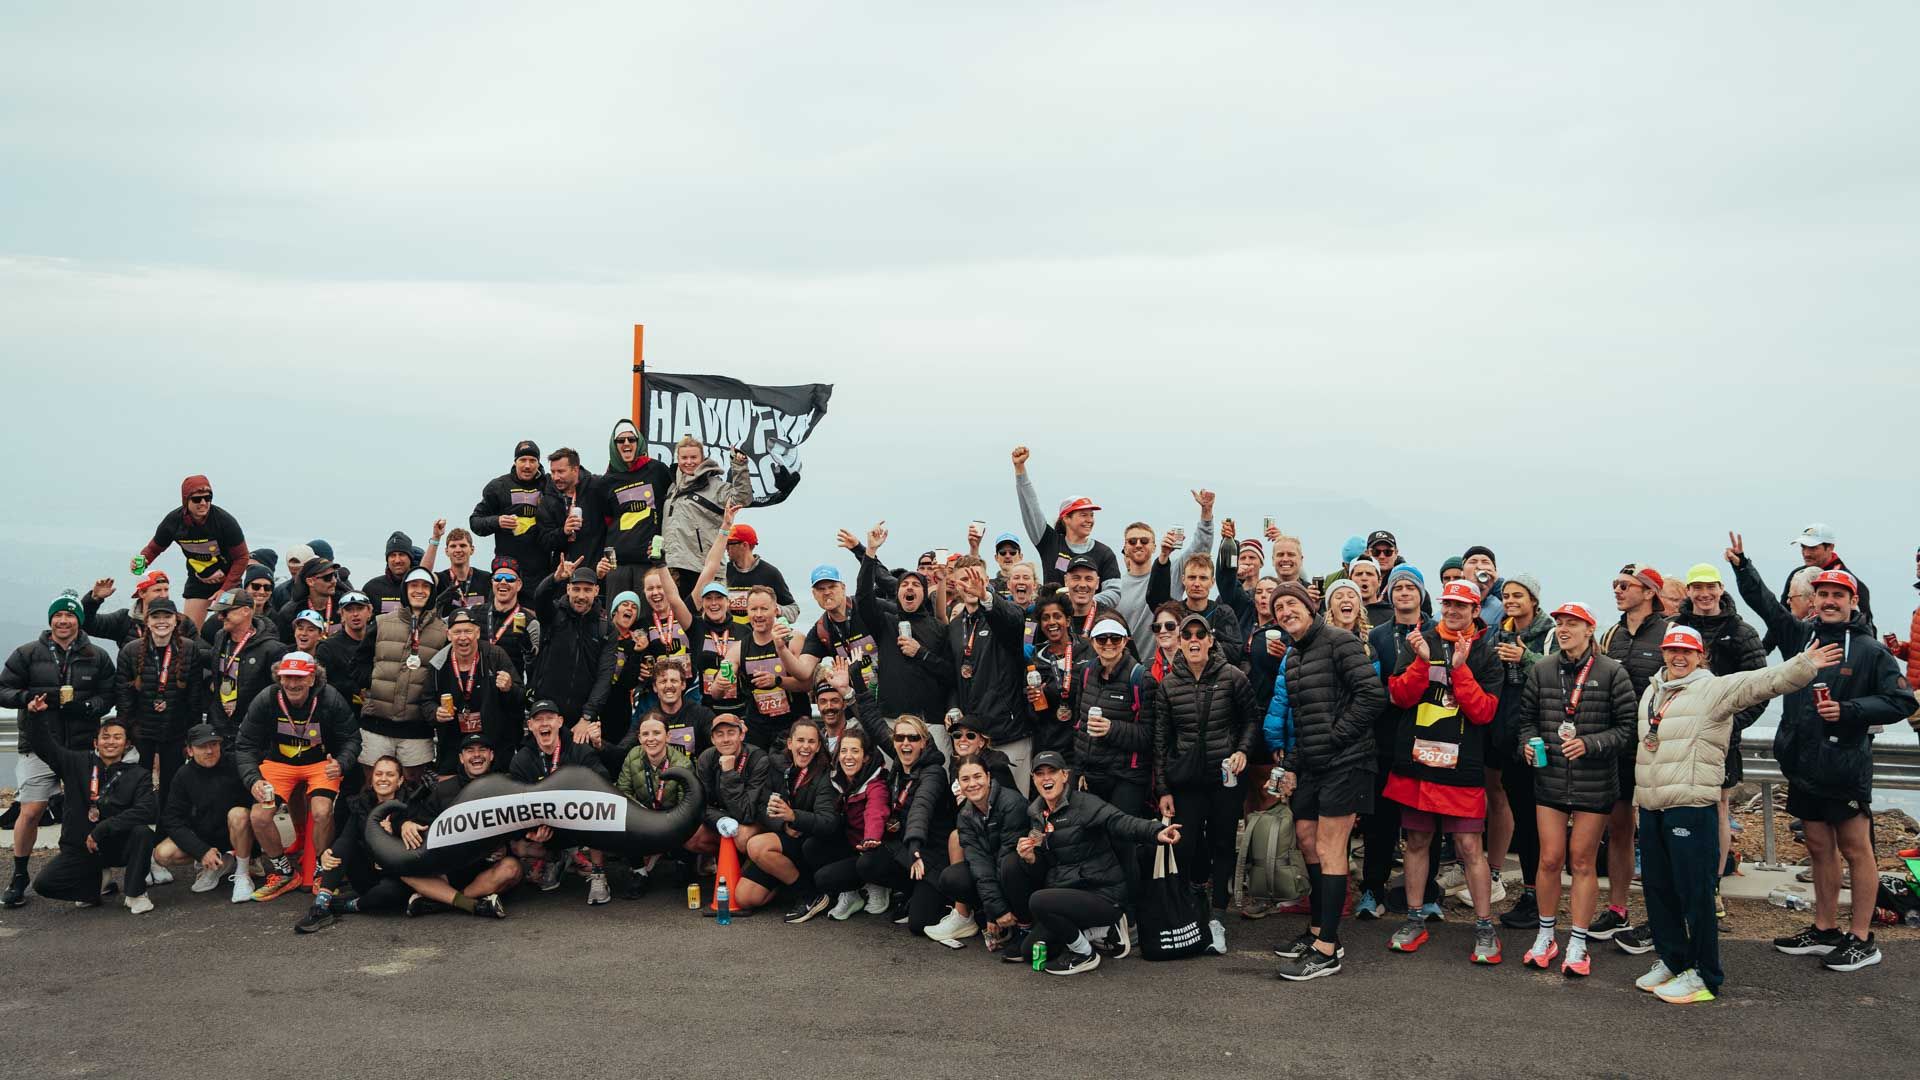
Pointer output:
624, 441
1165, 627
1621, 586
1382, 550
260, 586
505, 577
1110, 639
199, 498
1139, 540
909, 738
1195, 634
963, 734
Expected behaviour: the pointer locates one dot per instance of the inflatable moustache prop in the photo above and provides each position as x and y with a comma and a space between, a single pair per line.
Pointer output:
582, 809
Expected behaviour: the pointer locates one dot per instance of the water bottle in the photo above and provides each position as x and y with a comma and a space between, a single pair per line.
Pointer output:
1039, 955
724, 915
1793, 899
1911, 918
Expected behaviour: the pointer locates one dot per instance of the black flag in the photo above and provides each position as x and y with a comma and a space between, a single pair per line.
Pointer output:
768, 422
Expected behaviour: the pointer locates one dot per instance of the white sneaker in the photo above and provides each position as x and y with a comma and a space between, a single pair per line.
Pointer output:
159, 875
208, 880
1655, 978
597, 891
949, 927
844, 907
242, 886
1686, 988
1464, 895
1218, 946
1452, 878
139, 905
879, 899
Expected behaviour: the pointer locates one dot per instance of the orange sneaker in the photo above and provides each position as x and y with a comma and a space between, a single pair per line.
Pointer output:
277, 885
1541, 958
1582, 967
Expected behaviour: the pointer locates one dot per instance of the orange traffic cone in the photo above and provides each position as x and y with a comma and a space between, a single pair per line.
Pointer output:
728, 871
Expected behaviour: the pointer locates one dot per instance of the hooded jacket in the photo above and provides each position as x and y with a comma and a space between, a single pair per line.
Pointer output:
1199, 721
632, 497
160, 701
244, 665
1831, 760
339, 732
1334, 695
41, 667
920, 684
923, 807
739, 793
986, 838
1077, 843
1602, 718
864, 802
695, 505
508, 494
126, 799
396, 694
1685, 765
214, 546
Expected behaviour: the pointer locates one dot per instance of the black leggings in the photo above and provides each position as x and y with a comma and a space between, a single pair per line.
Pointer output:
834, 863
887, 866
1518, 779
1059, 915
957, 883
74, 874
170, 753
1207, 816
372, 889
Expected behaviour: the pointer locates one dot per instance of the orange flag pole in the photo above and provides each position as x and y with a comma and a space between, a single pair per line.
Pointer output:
640, 384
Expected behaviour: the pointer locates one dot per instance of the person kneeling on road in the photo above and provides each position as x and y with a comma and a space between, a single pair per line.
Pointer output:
476, 887
112, 831
204, 821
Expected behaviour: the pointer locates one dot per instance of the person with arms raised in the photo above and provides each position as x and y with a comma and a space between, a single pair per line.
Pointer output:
697, 499
917, 663
123, 626
1069, 534
984, 645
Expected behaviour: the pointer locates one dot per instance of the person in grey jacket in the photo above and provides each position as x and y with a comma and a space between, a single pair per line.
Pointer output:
696, 501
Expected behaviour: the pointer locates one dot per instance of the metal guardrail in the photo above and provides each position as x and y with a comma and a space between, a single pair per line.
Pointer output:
1895, 768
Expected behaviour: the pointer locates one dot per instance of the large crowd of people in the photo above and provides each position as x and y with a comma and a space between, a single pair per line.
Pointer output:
992, 741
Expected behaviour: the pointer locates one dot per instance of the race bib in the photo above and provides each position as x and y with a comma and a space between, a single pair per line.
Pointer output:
771, 702
1436, 755
469, 721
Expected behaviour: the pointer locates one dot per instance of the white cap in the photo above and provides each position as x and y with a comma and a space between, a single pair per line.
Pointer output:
299, 553
1814, 535
1106, 627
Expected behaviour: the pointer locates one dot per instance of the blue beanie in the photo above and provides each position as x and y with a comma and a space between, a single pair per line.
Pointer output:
1407, 570
1352, 549
626, 597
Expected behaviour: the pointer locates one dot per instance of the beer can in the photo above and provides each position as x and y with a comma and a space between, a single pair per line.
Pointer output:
658, 548
1094, 713
1821, 695
693, 897
1537, 752
446, 701
906, 629
726, 671
574, 513
613, 558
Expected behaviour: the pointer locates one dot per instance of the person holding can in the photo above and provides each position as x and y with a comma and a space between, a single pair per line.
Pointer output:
1686, 720
1575, 719
800, 804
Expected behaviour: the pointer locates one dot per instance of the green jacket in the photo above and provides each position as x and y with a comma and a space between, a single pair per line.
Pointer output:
642, 783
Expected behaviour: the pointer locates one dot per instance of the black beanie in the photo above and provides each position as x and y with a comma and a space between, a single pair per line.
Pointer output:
400, 544
1480, 549
526, 448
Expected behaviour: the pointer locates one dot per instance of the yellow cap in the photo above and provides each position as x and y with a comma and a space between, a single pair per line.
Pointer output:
1703, 572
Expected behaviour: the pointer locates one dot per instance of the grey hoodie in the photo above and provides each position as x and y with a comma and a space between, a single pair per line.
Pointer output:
694, 508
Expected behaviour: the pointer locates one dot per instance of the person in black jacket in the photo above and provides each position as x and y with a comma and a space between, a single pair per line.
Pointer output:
205, 817
992, 819
72, 681
919, 821
633, 496
984, 642
1069, 852
1635, 642
801, 804
1580, 704
1824, 745
245, 651
1380, 827
1196, 584
160, 690
347, 656
574, 634
1112, 722
123, 626
545, 752
478, 694
475, 888
348, 861
295, 743
509, 511
737, 777
109, 806
1203, 720
1335, 695
506, 622
573, 516
917, 667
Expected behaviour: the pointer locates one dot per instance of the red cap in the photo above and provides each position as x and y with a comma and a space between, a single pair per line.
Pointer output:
152, 578
1683, 637
295, 663
1461, 590
1577, 610
1837, 577
744, 534
1073, 505
1646, 575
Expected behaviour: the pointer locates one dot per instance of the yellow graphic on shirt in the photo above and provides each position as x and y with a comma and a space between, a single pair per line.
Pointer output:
521, 525
201, 555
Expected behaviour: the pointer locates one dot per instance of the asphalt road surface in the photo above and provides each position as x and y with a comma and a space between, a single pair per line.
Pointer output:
200, 987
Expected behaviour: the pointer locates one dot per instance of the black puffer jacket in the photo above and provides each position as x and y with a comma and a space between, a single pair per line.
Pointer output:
1638, 653
571, 645
1335, 696
923, 804
1125, 752
1604, 719
987, 838
740, 792
41, 667
1077, 840
157, 712
1831, 760
1198, 722
920, 684
251, 671
1732, 646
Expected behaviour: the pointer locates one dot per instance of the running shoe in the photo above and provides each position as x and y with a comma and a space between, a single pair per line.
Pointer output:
1685, 988
597, 890
1452, 878
1608, 923
1218, 931
1524, 914
159, 875
315, 920
1541, 958
879, 899
1297, 947
1411, 935
1118, 943
637, 886
1256, 909
16, 894
1486, 946
242, 885
581, 864
418, 905
546, 873
490, 907
1430, 911
1014, 949
1719, 904
1073, 963
1853, 955
807, 908
1637, 940
1811, 941
1368, 907
208, 880
1582, 967
276, 886
1656, 977
844, 908
1311, 965
140, 905
1298, 906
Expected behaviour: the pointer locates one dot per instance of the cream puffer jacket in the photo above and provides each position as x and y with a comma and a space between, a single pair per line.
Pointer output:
1687, 764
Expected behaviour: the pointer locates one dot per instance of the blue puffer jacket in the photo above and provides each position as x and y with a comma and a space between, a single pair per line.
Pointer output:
1278, 726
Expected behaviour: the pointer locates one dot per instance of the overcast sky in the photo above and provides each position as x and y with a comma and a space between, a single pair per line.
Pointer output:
1587, 289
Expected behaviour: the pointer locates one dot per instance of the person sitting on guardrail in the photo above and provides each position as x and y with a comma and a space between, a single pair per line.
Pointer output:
1824, 745
1686, 721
